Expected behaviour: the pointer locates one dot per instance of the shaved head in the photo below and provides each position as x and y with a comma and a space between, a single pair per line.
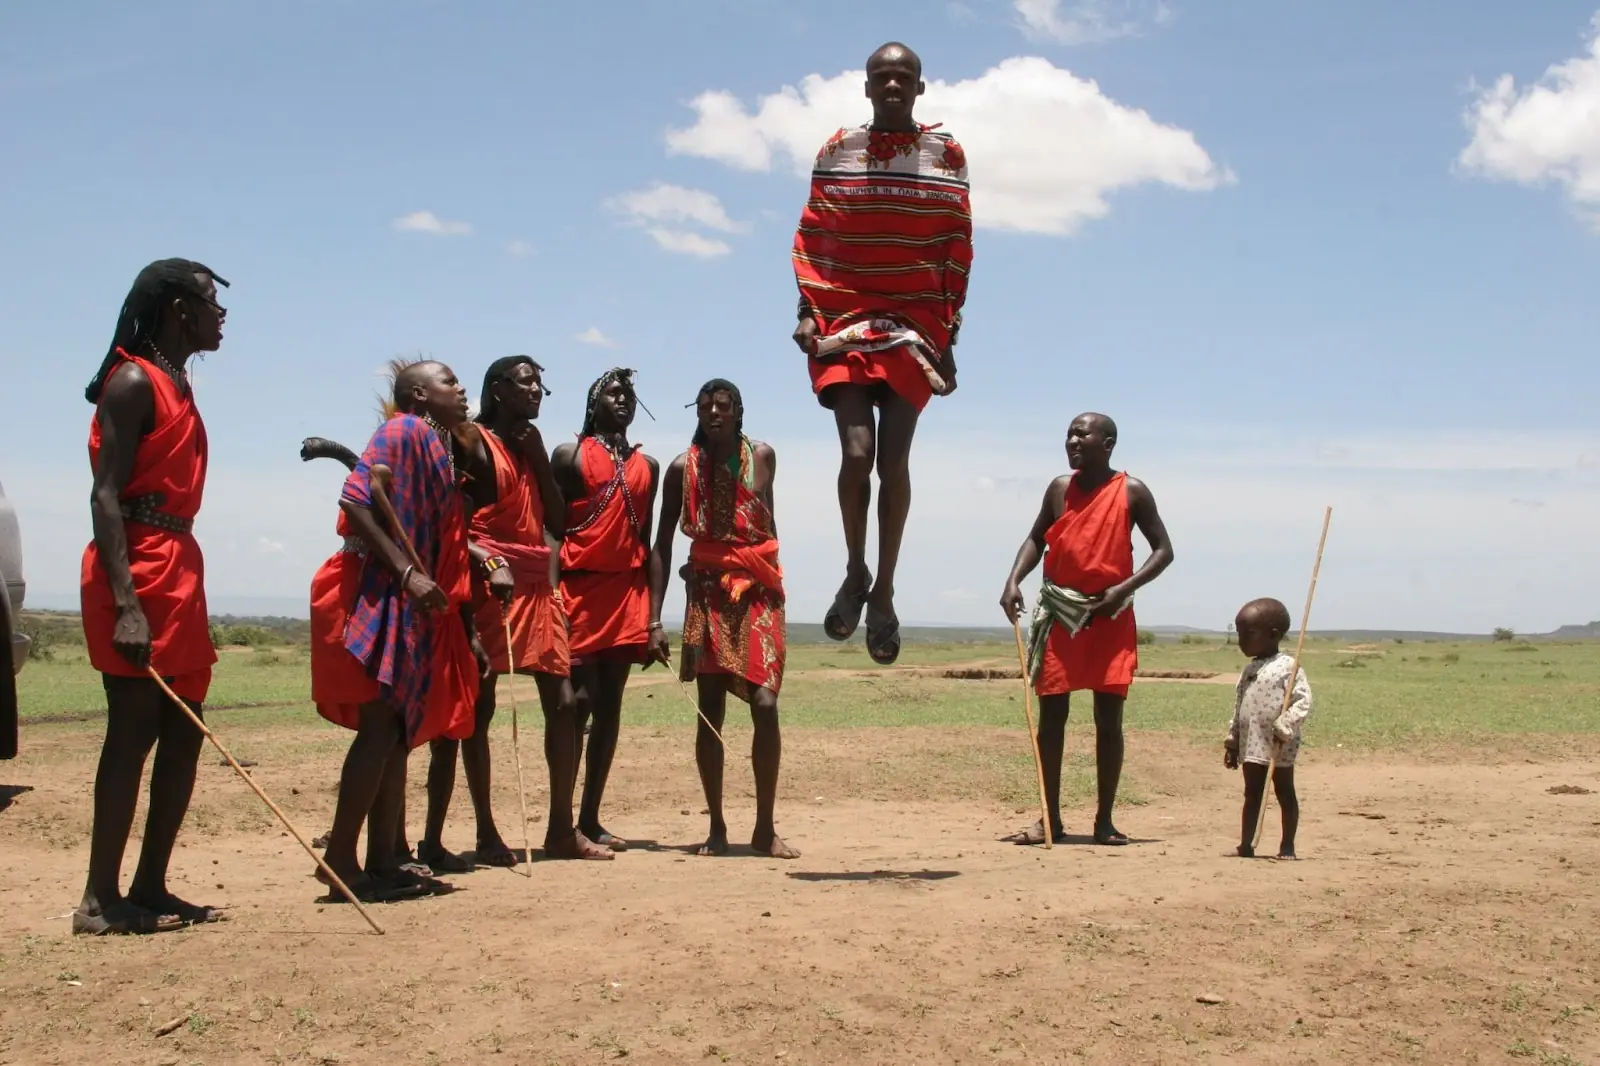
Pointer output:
408, 378
895, 51
1103, 423
1267, 612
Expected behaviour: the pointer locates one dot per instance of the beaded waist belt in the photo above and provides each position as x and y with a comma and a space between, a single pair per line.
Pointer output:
144, 510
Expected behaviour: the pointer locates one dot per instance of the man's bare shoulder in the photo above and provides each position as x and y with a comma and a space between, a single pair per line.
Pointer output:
128, 384
679, 464
1137, 490
763, 451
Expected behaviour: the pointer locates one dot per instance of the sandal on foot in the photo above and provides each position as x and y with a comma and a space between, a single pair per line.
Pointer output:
1034, 834
1110, 836
606, 840
188, 913
123, 919
434, 858
369, 889
845, 615
883, 637
421, 883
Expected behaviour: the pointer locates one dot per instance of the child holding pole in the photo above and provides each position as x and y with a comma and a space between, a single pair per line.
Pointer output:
1265, 732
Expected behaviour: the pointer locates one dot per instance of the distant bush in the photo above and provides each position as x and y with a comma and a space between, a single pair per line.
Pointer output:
237, 636
1504, 636
1522, 645
1146, 637
1353, 663
1451, 657
1193, 638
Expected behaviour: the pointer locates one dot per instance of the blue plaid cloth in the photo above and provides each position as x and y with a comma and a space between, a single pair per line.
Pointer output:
386, 632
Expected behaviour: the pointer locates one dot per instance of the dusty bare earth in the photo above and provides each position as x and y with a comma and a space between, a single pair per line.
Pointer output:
1445, 912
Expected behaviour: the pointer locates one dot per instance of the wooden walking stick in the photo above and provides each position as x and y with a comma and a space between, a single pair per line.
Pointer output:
696, 704
379, 477
334, 878
516, 744
1033, 737
1294, 671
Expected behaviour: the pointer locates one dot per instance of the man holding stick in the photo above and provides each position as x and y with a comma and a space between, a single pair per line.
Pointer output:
394, 655
512, 539
733, 630
1083, 635
610, 489
143, 592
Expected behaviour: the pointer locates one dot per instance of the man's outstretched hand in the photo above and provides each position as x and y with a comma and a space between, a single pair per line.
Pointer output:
1012, 603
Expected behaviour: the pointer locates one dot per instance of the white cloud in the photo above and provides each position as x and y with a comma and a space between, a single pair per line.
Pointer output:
674, 203
687, 242
428, 222
1046, 146
1546, 132
1089, 21
593, 336
519, 249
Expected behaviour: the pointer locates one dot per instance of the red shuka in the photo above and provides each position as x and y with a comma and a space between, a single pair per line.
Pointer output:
167, 567
513, 528
605, 583
1090, 549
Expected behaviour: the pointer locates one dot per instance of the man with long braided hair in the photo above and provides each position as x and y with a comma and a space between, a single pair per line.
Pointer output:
143, 593
610, 489
733, 626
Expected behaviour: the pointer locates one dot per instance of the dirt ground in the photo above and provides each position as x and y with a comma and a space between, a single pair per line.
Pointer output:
1444, 911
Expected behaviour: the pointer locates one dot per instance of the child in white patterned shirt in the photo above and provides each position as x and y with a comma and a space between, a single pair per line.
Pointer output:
1268, 734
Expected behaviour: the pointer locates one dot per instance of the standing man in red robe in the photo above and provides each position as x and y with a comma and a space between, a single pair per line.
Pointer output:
610, 489
143, 590
512, 539
1083, 635
881, 256
394, 654
733, 629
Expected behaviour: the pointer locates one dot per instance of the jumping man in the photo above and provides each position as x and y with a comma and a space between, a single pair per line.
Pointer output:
1082, 635
610, 489
733, 632
143, 595
881, 257
394, 655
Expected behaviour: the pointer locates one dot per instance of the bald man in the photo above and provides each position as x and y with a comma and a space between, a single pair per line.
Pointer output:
1082, 634
881, 257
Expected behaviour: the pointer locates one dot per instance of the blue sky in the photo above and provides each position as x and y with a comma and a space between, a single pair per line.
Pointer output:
1304, 253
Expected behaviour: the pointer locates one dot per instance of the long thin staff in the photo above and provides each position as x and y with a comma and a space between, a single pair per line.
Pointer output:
334, 878
516, 746
1294, 671
696, 704
1033, 737
379, 478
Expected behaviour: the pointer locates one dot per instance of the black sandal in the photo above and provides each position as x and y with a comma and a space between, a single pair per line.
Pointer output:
844, 616
883, 638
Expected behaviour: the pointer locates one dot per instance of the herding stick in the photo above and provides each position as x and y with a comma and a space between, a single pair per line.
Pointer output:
516, 743
378, 478
696, 703
1038, 760
1294, 671
343, 888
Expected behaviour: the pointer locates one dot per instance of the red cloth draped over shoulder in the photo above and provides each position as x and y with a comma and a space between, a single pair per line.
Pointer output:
885, 240
513, 528
605, 584
167, 567
734, 620
1089, 549
369, 641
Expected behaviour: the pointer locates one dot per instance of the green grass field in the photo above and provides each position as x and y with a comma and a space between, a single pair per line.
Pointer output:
1368, 696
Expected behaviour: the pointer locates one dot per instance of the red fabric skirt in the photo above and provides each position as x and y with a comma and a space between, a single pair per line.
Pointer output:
607, 612
538, 632
896, 368
339, 682
168, 577
1101, 658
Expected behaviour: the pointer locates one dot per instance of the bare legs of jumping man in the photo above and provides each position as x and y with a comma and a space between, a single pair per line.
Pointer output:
491, 848
1108, 751
766, 753
139, 717
371, 789
872, 437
